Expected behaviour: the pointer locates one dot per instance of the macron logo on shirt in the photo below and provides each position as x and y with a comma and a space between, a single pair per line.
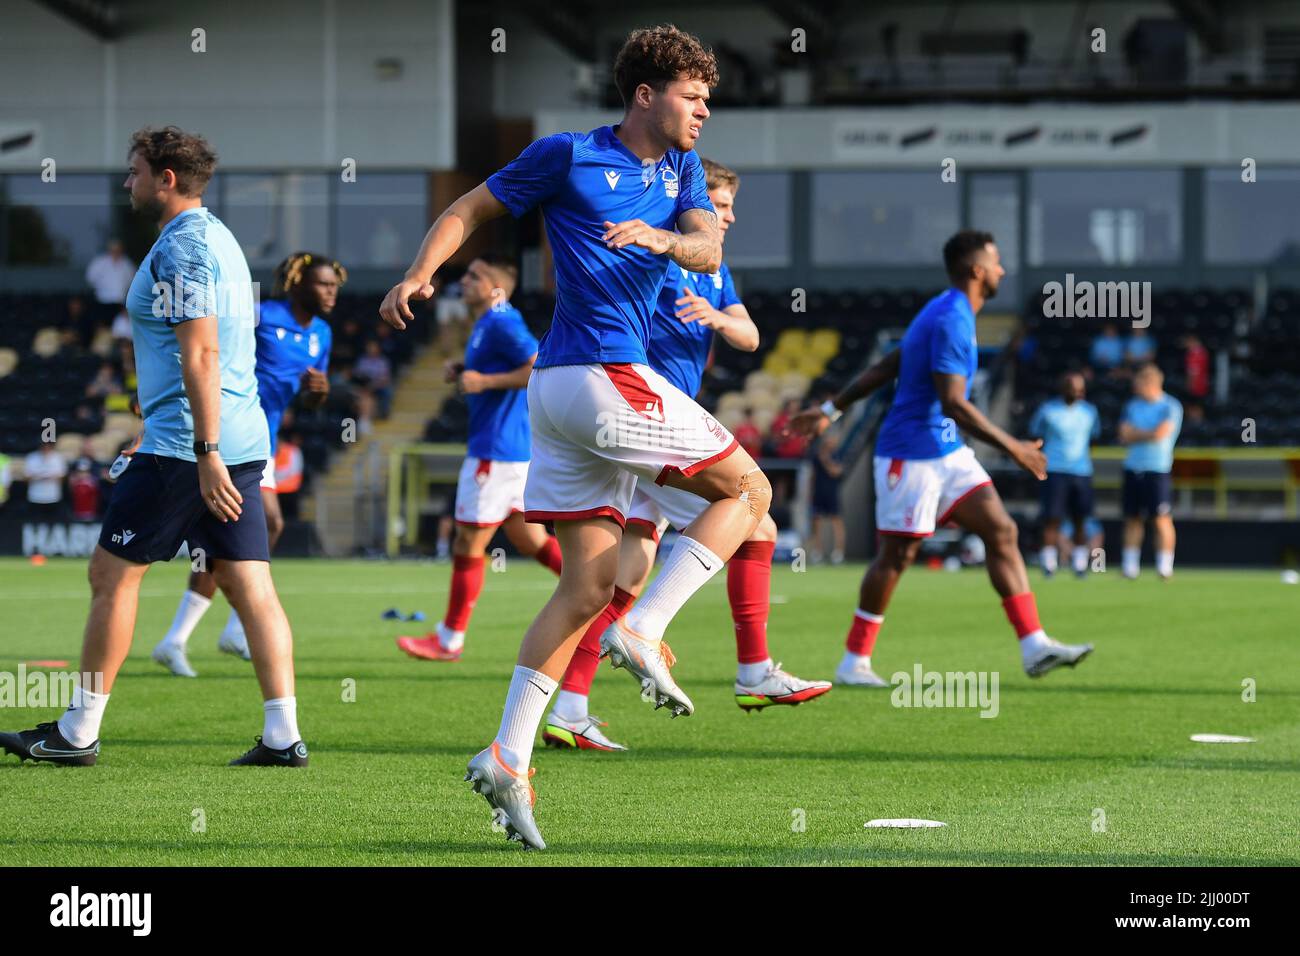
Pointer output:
612, 178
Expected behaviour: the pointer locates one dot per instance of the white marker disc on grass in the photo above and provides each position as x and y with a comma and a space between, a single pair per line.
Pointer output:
903, 824
1221, 739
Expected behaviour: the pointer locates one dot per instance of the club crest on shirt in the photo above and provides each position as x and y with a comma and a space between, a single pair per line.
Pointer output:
670, 182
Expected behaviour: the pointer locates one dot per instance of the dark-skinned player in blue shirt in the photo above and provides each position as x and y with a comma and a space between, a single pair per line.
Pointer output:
925, 474
293, 352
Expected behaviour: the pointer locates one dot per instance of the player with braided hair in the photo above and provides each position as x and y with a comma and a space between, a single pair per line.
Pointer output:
293, 350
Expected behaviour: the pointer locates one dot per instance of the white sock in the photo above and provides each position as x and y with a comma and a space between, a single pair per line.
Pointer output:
530, 691
1048, 558
280, 726
191, 609
1132, 561
449, 639
1164, 563
234, 631
1080, 558
570, 706
1032, 643
79, 724
851, 660
748, 675
688, 568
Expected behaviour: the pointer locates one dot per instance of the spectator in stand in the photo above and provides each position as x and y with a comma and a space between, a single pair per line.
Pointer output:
375, 372
828, 472
1196, 365
80, 321
45, 470
1140, 349
105, 383
747, 433
83, 491
109, 274
346, 347
1107, 355
785, 442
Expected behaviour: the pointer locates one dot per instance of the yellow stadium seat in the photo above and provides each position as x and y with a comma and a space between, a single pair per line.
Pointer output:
792, 342
824, 343
777, 364
758, 381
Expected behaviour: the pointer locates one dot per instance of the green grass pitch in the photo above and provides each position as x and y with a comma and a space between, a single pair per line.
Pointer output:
786, 786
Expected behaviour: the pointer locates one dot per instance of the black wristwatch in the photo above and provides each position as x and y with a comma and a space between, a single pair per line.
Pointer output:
204, 447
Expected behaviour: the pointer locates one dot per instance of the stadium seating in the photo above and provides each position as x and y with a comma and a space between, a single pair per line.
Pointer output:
43, 377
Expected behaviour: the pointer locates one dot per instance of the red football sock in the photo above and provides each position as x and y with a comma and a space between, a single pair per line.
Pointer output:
749, 589
549, 554
862, 633
1022, 612
466, 583
586, 657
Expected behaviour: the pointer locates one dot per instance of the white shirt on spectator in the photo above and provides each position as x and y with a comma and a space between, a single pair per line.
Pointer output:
110, 278
45, 474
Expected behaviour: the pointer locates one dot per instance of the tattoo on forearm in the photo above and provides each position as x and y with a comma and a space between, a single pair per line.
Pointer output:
694, 251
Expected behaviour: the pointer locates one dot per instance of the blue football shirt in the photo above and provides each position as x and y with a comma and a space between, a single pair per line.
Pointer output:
1067, 430
498, 418
679, 351
1153, 455
195, 268
940, 339
604, 298
285, 350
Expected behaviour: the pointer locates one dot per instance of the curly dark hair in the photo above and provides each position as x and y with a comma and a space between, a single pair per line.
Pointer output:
659, 55
290, 273
188, 155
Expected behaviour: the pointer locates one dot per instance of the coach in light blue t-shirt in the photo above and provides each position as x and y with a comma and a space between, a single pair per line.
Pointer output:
195, 476
1067, 425
1149, 427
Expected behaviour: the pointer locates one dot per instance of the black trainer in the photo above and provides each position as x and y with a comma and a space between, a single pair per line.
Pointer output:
47, 744
294, 755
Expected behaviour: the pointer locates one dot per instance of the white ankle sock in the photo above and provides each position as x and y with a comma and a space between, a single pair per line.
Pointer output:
747, 675
1164, 563
688, 568
1032, 643
234, 630
1080, 558
191, 609
80, 722
280, 725
450, 640
530, 692
1132, 561
851, 660
570, 706
1048, 559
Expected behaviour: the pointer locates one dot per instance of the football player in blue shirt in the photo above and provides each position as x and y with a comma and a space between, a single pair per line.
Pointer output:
1067, 425
926, 475
620, 204
293, 353
692, 307
490, 491
194, 478
1149, 425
